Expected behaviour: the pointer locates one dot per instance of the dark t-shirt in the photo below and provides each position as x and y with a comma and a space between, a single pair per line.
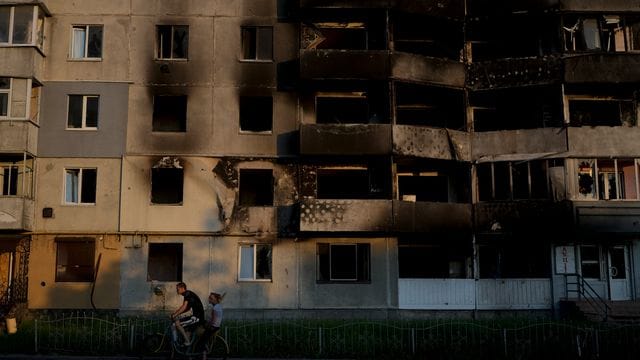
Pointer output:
193, 302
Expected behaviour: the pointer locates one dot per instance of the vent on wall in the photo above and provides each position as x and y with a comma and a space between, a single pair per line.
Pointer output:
47, 212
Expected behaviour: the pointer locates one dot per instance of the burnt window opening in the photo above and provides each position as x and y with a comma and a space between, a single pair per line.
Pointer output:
433, 259
429, 36
257, 43
504, 260
337, 36
430, 106
513, 180
352, 183
423, 187
513, 109
256, 187
343, 262
167, 185
75, 259
165, 262
342, 109
172, 42
616, 179
601, 112
256, 113
169, 113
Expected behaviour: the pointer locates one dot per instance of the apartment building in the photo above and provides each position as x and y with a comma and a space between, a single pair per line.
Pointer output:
376, 157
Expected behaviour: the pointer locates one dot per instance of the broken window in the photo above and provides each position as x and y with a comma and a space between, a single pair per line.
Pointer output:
335, 35
165, 262
602, 112
256, 113
256, 187
352, 183
429, 106
83, 112
430, 36
423, 186
513, 180
167, 181
172, 42
86, 42
257, 43
504, 260
80, 186
254, 262
590, 261
610, 33
344, 109
419, 258
5, 90
75, 259
616, 179
170, 113
343, 262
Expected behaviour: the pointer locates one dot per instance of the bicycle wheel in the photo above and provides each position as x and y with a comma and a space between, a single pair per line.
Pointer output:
217, 348
153, 343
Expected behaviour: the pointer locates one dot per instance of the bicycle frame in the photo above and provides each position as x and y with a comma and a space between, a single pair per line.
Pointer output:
157, 342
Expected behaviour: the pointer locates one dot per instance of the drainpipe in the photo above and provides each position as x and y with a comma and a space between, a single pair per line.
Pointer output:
93, 283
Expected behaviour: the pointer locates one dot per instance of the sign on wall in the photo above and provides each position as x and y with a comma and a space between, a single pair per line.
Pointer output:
565, 259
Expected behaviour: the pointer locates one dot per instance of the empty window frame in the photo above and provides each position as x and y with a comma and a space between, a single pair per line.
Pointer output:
256, 113
419, 259
16, 176
513, 180
172, 42
610, 33
617, 179
83, 112
352, 108
5, 96
257, 43
256, 187
352, 183
343, 262
19, 23
335, 36
167, 185
590, 261
75, 259
254, 262
169, 113
165, 262
429, 106
9, 179
80, 186
423, 186
86, 42
508, 260
601, 112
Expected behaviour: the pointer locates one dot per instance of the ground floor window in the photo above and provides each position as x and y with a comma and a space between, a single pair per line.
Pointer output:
590, 261
514, 260
75, 259
165, 262
254, 262
343, 262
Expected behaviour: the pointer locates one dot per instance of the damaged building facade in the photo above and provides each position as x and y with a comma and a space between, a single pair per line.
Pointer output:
380, 156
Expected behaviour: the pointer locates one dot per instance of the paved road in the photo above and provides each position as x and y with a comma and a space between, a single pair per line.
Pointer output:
65, 357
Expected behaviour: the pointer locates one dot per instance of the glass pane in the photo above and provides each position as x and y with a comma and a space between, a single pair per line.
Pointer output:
88, 195
618, 263
40, 28
5, 14
263, 261
633, 33
343, 262
180, 42
78, 42
71, 192
249, 43
94, 46
92, 111
591, 34
22, 24
586, 186
265, 43
164, 42
607, 187
9, 180
627, 179
246, 262
4, 104
74, 119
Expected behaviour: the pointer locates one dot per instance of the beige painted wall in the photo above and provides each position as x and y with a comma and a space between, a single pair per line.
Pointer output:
103, 216
46, 293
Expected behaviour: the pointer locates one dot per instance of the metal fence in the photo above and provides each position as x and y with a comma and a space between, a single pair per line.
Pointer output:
87, 333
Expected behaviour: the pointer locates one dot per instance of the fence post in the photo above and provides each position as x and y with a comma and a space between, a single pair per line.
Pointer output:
597, 344
319, 340
504, 339
36, 336
413, 341
131, 335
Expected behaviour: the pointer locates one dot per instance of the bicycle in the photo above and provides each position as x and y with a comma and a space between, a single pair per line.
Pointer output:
216, 346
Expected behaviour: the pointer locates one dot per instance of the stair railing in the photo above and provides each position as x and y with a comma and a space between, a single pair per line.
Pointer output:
575, 283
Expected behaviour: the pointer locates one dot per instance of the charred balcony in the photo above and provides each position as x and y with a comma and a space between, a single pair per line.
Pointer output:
449, 8
609, 217
524, 217
347, 139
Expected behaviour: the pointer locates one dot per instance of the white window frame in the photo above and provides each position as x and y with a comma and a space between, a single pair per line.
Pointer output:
254, 247
34, 28
86, 42
8, 92
159, 49
79, 186
84, 112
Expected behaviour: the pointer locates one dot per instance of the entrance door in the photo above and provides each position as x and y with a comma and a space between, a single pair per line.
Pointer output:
619, 273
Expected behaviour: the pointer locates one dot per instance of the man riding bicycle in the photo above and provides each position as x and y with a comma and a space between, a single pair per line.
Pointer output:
189, 315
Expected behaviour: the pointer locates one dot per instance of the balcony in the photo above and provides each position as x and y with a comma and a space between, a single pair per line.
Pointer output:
424, 216
599, 141
351, 139
524, 216
513, 143
345, 215
18, 136
611, 216
432, 143
257, 220
22, 62
602, 68
16, 213
515, 72
428, 70
451, 8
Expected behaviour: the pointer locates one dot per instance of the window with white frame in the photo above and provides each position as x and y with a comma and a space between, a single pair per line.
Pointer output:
83, 112
5, 90
590, 261
172, 42
80, 186
254, 262
257, 43
86, 42
343, 262
19, 23
607, 179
